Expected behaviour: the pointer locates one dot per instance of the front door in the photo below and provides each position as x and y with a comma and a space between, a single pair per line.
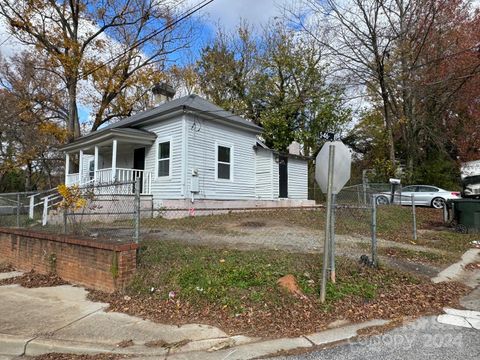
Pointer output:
283, 176
139, 163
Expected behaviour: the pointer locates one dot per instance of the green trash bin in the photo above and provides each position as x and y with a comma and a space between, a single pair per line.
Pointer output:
466, 214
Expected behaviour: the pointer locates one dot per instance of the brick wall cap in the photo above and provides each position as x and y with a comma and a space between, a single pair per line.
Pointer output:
70, 239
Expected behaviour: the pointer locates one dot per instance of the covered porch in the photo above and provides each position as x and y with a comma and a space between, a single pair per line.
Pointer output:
109, 156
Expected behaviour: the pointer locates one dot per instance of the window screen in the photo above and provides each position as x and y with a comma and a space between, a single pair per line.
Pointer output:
223, 163
164, 159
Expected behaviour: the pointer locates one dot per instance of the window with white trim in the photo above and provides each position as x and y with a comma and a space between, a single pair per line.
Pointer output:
224, 163
91, 169
163, 159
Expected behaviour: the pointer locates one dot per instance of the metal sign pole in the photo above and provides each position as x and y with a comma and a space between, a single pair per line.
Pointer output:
332, 239
137, 210
414, 219
374, 230
331, 158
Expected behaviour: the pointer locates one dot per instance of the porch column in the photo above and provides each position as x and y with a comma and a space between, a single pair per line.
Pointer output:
114, 160
80, 167
67, 167
95, 165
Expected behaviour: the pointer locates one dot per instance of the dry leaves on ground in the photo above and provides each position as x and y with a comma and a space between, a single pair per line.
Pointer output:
472, 266
292, 318
59, 356
4, 267
33, 279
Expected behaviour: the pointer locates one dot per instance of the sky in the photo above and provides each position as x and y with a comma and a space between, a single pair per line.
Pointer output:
257, 12
225, 13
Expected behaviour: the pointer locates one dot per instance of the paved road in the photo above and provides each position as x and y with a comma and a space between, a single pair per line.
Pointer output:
424, 339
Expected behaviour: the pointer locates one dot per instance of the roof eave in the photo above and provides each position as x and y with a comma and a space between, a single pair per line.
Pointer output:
105, 135
208, 115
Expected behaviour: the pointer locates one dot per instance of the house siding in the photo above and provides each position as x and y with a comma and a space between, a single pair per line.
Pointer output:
194, 140
124, 157
297, 179
85, 163
202, 137
166, 187
263, 174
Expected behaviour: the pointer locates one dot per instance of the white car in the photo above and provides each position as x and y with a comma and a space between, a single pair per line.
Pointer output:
422, 194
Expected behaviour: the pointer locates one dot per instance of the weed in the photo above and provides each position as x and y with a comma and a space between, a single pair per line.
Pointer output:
52, 263
114, 270
233, 278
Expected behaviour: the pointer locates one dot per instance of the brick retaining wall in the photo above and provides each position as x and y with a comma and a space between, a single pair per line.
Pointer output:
94, 264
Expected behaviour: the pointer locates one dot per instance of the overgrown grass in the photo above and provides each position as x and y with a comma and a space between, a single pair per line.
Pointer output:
429, 257
239, 279
394, 223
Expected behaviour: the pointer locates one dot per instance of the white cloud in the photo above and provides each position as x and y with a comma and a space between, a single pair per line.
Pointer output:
256, 12
8, 44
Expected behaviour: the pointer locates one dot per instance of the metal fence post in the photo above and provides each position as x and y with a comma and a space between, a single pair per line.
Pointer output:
414, 219
45, 210
65, 221
31, 207
332, 239
323, 287
18, 210
445, 213
364, 185
137, 210
374, 230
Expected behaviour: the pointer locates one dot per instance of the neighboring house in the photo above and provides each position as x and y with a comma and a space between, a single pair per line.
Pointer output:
190, 150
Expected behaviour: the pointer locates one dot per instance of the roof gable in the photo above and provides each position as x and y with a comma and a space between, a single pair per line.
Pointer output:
195, 104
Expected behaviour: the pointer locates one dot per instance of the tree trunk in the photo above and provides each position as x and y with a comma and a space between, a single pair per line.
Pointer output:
73, 125
388, 121
28, 177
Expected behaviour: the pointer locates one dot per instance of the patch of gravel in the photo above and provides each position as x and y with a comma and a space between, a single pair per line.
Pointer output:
294, 239
33, 279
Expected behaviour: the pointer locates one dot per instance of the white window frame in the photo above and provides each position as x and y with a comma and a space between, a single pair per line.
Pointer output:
231, 147
157, 157
91, 174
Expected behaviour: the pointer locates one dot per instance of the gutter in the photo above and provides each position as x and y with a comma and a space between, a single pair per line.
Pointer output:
279, 153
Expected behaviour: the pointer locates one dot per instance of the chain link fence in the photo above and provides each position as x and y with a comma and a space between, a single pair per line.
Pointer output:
105, 211
117, 212
15, 210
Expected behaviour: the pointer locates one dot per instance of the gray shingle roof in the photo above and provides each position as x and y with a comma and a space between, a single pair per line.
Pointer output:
193, 103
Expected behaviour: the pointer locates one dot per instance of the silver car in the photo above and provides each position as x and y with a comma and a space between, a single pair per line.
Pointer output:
422, 194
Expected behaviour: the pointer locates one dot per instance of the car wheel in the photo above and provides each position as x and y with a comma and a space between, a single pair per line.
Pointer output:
438, 203
382, 200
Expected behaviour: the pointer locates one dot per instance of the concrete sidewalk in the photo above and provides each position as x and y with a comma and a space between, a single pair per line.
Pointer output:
60, 319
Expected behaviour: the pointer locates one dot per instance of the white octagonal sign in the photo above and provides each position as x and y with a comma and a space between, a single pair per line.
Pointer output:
341, 169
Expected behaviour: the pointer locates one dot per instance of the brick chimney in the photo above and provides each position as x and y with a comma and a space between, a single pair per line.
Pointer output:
162, 92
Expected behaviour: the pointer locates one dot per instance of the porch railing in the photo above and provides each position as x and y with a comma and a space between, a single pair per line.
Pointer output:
104, 176
73, 179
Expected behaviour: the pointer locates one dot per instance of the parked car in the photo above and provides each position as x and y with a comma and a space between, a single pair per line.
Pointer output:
423, 194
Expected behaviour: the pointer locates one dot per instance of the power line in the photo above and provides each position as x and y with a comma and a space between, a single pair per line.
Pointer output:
142, 41
6, 40
184, 16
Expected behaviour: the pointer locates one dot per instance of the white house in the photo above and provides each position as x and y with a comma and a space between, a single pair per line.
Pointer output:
190, 150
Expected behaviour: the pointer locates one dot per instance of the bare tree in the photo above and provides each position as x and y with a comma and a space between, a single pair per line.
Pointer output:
395, 49
31, 120
73, 33
358, 40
